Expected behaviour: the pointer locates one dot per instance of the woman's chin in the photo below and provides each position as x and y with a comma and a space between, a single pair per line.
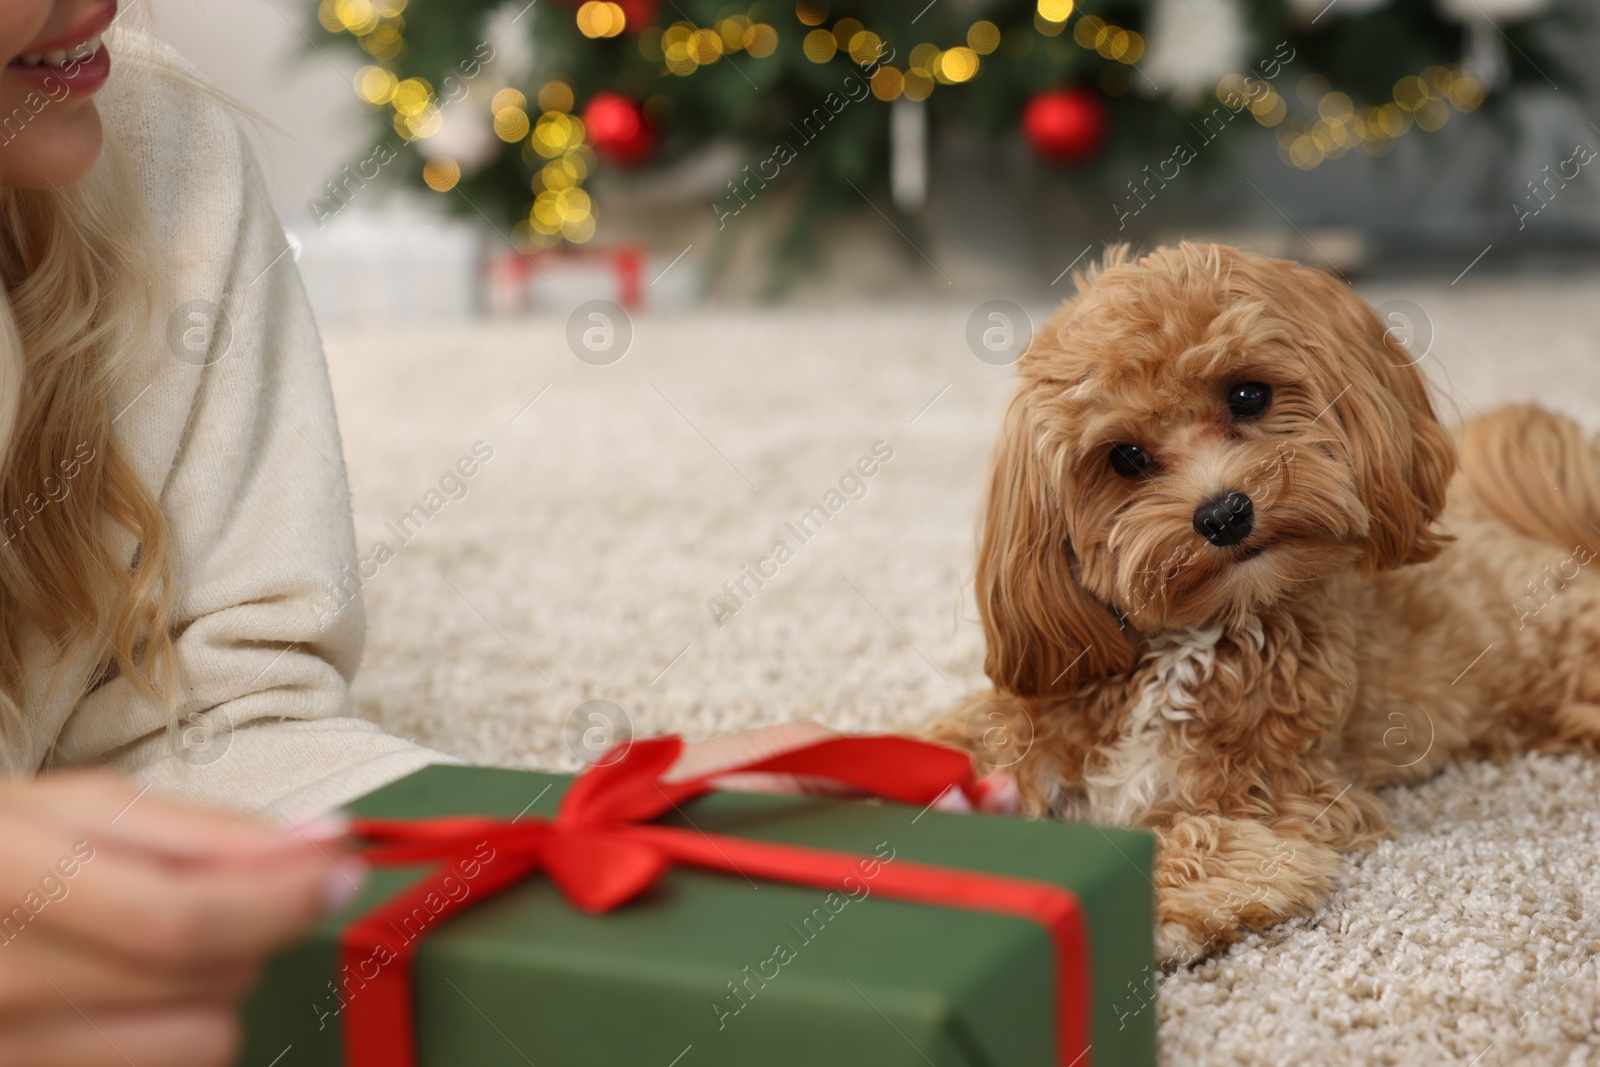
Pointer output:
53, 150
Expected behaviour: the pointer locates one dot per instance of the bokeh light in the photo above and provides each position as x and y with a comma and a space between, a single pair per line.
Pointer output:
442, 174
820, 46
601, 18
983, 37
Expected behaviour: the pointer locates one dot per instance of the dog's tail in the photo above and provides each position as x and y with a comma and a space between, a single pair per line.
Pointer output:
1534, 471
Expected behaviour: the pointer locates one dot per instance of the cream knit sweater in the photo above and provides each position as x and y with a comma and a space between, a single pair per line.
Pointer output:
232, 426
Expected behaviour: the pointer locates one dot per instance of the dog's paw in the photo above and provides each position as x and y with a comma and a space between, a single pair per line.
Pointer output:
1178, 946
1218, 877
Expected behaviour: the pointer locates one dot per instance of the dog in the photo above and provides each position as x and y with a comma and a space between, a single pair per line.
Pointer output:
1234, 576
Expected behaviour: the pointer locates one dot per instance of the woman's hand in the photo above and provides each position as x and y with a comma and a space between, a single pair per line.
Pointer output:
999, 791
132, 926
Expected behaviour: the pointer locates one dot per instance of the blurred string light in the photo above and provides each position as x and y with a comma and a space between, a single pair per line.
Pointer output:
1111, 42
376, 24
601, 18
684, 48
1266, 104
563, 160
511, 123
441, 175
376, 85
1336, 126
1050, 17
416, 114
928, 65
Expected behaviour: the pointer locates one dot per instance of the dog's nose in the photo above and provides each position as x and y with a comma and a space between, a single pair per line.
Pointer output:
1225, 520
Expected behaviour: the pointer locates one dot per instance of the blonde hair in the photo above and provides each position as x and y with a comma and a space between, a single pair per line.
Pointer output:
80, 294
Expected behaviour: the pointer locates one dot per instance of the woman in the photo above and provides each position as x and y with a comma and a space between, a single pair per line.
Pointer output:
173, 515
174, 522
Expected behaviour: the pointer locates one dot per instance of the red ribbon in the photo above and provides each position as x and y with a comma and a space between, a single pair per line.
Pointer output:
601, 852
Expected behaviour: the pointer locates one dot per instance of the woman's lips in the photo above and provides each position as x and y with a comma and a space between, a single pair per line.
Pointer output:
76, 75
76, 60
87, 30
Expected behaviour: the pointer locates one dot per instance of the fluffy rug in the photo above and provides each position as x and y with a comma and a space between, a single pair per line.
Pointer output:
576, 565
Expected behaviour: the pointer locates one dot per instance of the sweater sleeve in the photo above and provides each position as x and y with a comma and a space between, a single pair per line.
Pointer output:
269, 627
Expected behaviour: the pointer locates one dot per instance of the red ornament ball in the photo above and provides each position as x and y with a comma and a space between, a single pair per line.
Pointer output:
1065, 125
639, 14
618, 129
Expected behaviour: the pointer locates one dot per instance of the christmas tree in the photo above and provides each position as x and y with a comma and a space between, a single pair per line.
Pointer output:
514, 108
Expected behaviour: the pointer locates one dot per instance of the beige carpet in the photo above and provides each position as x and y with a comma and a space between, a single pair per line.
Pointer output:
578, 564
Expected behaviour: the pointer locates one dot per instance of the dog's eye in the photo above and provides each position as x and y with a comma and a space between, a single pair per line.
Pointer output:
1130, 461
1248, 399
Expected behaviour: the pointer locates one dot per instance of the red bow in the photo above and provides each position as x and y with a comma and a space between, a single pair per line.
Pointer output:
601, 852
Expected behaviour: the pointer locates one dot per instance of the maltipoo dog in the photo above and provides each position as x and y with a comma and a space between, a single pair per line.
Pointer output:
1234, 575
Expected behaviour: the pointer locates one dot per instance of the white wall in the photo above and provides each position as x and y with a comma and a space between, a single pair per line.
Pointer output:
256, 51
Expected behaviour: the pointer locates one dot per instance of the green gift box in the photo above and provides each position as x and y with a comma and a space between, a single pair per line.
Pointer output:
710, 968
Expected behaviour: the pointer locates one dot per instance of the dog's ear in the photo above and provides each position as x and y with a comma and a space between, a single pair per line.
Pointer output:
1045, 632
1403, 457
